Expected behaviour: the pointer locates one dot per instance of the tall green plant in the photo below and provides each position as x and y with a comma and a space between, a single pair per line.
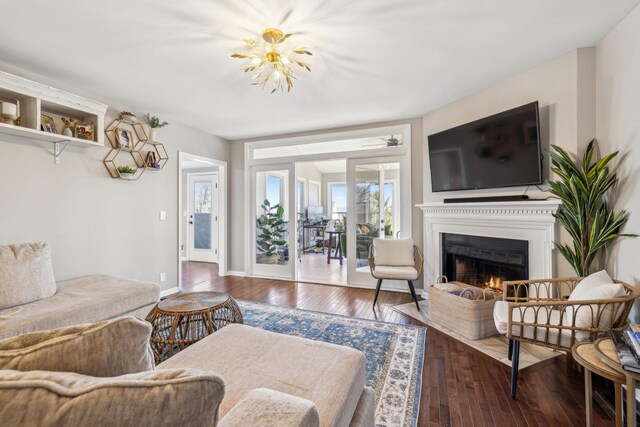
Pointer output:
585, 213
272, 229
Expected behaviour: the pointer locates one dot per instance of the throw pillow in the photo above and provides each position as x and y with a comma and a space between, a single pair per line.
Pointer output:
26, 274
393, 252
105, 349
171, 397
596, 286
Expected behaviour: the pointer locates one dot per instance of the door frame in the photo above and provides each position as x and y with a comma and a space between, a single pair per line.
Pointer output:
222, 210
188, 234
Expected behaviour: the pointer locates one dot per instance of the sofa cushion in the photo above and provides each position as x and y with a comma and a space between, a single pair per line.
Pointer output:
180, 397
85, 299
393, 252
26, 274
269, 408
593, 287
331, 376
106, 349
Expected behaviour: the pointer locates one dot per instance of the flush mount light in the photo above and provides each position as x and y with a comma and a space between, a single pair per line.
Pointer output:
273, 62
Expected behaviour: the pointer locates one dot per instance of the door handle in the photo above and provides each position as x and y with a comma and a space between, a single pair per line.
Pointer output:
191, 222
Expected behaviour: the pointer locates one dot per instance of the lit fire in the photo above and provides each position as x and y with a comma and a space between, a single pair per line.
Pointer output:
494, 283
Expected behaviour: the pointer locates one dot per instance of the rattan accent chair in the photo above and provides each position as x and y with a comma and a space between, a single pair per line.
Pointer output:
395, 259
539, 312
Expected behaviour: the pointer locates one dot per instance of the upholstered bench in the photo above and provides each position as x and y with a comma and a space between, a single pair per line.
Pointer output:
330, 376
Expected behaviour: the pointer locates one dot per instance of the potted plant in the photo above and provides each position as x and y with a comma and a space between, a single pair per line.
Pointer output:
583, 188
127, 172
128, 116
154, 123
271, 231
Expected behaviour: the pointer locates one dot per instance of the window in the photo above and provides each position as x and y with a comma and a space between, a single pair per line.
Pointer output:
314, 193
337, 200
274, 189
300, 195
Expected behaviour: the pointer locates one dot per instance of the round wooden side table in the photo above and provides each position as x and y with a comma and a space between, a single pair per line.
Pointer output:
185, 319
589, 358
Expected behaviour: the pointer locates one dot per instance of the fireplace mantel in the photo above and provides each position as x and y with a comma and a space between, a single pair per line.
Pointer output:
530, 220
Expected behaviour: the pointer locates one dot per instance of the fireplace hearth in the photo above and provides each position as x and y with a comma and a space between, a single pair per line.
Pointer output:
484, 261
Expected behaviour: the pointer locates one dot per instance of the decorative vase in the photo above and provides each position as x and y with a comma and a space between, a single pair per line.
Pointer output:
66, 131
152, 134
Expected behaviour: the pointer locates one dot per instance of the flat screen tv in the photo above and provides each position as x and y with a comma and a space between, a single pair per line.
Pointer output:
502, 150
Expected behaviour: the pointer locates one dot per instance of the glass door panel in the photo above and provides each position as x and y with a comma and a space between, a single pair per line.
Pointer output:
203, 217
271, 223
373, 211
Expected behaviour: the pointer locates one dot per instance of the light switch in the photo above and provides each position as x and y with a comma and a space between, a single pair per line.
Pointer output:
163, 215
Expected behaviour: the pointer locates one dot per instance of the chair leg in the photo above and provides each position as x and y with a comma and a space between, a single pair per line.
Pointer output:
510, 349
375, 298
515, 358
413, 294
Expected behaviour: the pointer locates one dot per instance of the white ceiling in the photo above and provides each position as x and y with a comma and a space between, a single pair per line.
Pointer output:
374, 60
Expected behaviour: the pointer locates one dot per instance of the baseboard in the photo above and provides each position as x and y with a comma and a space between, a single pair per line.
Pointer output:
425, 293
184, 258
169, 291
236, 273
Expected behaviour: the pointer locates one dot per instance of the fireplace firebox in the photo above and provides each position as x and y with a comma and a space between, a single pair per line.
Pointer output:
484, 261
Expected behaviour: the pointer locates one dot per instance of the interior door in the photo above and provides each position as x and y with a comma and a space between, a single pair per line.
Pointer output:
272, 221
374, 210
203, 217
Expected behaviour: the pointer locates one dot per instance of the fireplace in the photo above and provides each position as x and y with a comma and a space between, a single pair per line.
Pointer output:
484, 261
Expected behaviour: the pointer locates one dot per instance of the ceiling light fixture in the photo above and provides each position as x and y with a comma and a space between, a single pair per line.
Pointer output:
272, 61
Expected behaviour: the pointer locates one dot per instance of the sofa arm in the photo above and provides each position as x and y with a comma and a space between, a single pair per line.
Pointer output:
265, 407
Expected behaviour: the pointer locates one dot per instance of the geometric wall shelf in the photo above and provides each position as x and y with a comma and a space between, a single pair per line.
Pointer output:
155, 155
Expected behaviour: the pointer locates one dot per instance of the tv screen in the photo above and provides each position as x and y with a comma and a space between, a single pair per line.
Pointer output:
502, 150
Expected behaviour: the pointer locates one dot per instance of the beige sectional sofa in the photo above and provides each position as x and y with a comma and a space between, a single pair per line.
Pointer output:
31, 300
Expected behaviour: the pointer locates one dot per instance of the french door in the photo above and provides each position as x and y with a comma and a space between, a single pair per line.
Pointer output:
272, 248
203, 217
377, 207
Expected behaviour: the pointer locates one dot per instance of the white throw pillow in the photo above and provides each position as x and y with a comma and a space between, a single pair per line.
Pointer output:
393, 252
26, 274
595, 286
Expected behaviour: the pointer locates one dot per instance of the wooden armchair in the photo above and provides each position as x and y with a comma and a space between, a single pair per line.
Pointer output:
538, 312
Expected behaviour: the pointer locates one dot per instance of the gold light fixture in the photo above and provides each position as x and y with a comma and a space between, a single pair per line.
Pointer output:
272, 61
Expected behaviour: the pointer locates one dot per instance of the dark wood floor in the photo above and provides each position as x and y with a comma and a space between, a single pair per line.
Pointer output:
460, 385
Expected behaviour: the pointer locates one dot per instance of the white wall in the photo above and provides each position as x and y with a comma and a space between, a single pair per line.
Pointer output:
564, 88
618, 128
96, 224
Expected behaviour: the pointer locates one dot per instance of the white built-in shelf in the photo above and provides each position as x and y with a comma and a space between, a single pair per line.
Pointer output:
36, 99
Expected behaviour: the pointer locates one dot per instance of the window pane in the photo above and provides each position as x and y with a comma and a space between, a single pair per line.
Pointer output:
338, 201
272, 225
202, 215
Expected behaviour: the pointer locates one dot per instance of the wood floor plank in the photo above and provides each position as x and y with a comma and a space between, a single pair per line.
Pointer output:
460, 385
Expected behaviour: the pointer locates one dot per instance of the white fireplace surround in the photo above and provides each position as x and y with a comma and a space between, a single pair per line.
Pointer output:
530, 220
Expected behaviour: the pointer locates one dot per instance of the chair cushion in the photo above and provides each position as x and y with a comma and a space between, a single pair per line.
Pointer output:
400, 273
553, 317
596, 286
26, 274
331, 376
393, 252
179, 397
106, 349
85, 299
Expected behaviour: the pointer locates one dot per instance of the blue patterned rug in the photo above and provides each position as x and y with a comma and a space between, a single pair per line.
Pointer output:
395, 353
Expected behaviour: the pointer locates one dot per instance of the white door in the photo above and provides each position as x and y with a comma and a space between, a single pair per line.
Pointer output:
272, 221
374, 210
202, 216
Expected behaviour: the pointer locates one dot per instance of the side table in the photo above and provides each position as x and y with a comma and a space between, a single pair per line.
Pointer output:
185, 319
587, 356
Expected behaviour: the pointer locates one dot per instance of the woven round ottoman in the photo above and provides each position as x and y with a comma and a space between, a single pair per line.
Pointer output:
184, 319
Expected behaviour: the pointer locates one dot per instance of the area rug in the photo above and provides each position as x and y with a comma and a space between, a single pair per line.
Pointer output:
495, 346
395, 353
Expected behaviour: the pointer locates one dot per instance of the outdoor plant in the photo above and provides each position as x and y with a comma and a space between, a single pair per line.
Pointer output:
127, 169
271, 229
154, 122
583, 188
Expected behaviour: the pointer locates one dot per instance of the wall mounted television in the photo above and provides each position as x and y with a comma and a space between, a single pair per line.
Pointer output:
502, 150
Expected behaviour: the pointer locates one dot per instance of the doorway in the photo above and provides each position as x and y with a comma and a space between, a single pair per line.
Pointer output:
202, 212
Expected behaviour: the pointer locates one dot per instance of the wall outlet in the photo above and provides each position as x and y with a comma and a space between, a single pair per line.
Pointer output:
163, 215
163, 277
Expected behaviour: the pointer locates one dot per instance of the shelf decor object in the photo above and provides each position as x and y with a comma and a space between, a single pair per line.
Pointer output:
29, 101
272, 61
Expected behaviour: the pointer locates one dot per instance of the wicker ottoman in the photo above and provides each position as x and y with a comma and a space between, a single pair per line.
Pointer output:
473, 319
